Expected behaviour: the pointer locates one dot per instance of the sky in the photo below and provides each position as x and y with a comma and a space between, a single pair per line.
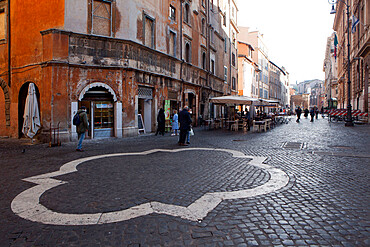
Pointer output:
295, 33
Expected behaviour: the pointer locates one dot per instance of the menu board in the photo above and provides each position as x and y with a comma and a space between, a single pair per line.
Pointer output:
167, 109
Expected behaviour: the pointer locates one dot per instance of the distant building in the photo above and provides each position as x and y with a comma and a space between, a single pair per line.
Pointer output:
248, 71
260, 57
302, 100
331, 81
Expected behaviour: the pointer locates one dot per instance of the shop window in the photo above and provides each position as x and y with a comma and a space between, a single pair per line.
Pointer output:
101, 17
149, 30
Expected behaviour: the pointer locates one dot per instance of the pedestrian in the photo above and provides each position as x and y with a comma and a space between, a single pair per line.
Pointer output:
175, 123
306, 111
161, 120
82, 127
298, 111
312, 113
248, 119
316, 112
185, 125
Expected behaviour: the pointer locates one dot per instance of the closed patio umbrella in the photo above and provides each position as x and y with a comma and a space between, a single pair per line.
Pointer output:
31, 123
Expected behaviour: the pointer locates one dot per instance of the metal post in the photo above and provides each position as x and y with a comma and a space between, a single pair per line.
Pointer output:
349, 121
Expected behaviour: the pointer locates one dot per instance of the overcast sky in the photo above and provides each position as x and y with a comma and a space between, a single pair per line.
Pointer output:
295, 33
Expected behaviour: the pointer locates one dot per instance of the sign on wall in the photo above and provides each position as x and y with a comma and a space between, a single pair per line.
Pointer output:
167, 109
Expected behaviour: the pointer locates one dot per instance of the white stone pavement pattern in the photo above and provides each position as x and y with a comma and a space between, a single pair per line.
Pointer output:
27, 204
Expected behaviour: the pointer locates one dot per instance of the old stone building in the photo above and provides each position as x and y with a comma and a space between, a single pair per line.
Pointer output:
359, 44
123, 60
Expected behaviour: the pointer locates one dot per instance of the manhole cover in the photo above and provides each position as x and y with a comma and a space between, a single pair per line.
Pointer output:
293, 145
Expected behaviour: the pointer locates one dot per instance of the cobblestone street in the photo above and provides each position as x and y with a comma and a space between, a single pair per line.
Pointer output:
144, 197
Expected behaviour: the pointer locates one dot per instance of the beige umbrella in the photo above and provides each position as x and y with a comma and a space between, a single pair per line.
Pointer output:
31, 115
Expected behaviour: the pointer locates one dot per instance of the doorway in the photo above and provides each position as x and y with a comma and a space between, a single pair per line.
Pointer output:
145, 109
99, 105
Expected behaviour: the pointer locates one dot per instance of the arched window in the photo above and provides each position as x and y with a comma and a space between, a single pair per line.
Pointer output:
187, 13
203, 26
187, 52
204, 62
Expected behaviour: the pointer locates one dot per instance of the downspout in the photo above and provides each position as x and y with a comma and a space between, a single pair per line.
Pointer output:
230, 53
9, 48
208, 61
182, 60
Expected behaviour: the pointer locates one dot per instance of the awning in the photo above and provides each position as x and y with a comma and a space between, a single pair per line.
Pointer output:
233, 100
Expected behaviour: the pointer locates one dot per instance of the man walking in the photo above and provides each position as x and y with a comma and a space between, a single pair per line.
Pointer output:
185, 121
298, 111
82, 127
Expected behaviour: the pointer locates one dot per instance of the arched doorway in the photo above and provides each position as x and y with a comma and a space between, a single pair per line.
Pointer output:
23, 92
99, 103
103, 110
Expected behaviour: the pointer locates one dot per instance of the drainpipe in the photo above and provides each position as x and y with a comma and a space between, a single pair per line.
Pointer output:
182, 61
9, 48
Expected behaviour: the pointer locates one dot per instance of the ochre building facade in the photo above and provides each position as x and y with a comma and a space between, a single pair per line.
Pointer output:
123, 60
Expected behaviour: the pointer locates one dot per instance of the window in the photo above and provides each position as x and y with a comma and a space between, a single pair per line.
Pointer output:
203, 3
203, 26
2, 24
224, 19
187, 52
225, 74
212, 36
172, 13
187, 13
149, 31
212, 5
233, 59
234, 38
225, 44
212, 66
101, 17
233, 84
172, 44
204, 60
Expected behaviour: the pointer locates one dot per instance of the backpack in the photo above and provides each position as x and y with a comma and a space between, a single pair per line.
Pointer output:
76, 119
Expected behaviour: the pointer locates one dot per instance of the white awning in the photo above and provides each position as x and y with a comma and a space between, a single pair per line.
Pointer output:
233, 100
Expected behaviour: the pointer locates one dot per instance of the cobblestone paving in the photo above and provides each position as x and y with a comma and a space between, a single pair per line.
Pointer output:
326, 202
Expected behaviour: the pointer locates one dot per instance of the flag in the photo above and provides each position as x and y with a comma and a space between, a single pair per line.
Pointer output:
355, 22
335, 45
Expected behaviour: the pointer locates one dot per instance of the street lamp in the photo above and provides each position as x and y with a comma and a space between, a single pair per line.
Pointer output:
349, 121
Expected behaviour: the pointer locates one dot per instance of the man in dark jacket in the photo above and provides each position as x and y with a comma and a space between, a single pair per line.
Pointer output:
82, 127
185, 121
298, 111
161, 120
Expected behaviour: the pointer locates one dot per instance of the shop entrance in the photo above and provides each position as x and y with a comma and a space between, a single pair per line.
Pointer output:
100, 112
145, 96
